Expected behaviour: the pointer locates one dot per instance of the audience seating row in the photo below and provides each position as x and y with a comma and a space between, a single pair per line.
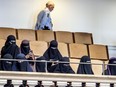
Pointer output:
72, 50
46, 35
71, 44
97, 53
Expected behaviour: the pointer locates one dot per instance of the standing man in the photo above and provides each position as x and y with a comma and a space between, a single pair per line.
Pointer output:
44, 21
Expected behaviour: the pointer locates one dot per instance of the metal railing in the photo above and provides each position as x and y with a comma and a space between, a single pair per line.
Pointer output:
61, 77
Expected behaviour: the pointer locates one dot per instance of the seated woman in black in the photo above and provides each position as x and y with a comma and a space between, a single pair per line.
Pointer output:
65, 67
6, 65
53, 54
111, 69
21, 65
40, 64
10, 47
25, 49
85, 68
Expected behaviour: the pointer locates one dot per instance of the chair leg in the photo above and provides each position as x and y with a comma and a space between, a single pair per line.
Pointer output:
111, 84
83, 84
97, 84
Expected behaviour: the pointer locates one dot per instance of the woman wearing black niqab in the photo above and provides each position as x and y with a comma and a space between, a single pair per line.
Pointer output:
7, 64
111, 69
21, 65
65, 67
40, 64
53, 54
10, 47
25, 49
85, 68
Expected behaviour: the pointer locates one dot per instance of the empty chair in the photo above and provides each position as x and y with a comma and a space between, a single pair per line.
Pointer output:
98, 52
38, 47
77, 50
4, 32
45, 35
27, 34
83, 38
64, 36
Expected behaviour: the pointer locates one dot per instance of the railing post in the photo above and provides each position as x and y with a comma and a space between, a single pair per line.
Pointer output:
103, 67
46, 66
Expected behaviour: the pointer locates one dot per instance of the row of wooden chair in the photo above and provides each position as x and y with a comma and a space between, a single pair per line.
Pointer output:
97, 53
72, 50
71, 44
47, 35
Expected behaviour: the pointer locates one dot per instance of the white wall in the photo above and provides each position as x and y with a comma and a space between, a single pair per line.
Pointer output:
96, 16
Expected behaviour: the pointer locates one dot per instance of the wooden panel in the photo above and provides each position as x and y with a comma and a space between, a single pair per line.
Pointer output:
64, 36
18, 42
2, 43
63, 48
83, 38
5, 32
45, 35
98, 52
77, 50
38, 47
74, 64
27, 34
97, 67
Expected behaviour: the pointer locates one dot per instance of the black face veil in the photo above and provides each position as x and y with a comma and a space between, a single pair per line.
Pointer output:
10, 47
53, 54
7, 64
111, 69
85, 68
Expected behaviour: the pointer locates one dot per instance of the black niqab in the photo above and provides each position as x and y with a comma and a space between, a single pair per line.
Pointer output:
25, 47
7, 64
85, 68
65, 67
111, 69
40, 66
21, 65
10, 47
53, 54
